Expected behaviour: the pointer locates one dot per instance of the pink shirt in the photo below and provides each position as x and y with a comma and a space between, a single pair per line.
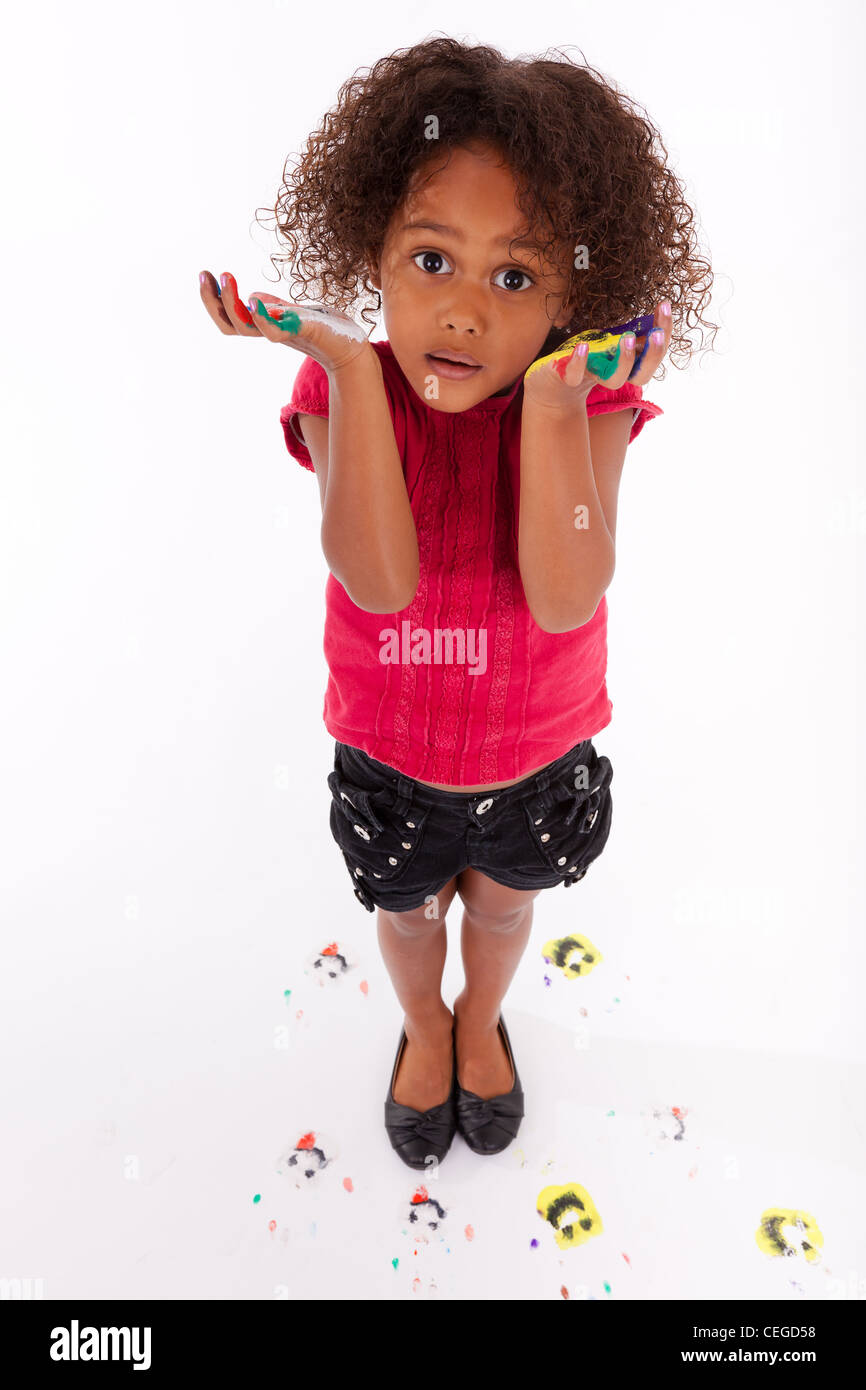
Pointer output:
491, 696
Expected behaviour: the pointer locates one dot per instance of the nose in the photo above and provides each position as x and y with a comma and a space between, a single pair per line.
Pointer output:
462, 314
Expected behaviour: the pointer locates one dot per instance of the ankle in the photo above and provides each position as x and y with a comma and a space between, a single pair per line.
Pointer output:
475, 1015
428, 1026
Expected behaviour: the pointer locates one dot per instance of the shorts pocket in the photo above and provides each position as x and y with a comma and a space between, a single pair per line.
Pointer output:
379, 841
570, 827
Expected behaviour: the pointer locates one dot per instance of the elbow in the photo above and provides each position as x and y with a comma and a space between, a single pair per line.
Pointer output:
379, 598
568, 617
370, 591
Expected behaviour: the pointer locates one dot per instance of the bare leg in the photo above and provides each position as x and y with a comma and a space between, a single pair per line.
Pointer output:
496, 926
413, 948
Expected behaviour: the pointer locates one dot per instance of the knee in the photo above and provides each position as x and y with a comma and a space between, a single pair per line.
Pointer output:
492, 918
421, 921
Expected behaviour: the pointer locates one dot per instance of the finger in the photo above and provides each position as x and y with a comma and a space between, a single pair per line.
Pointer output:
210, 297
573, 369
656, 349
270, 323
234, 306
625, 362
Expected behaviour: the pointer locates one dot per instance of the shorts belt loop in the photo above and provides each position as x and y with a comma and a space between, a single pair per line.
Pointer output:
404, 801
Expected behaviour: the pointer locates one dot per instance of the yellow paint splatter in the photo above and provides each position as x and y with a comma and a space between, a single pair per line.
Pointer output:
785, 1231
573, 955
554, 1203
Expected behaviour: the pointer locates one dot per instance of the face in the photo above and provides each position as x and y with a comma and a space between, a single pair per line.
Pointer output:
454, 286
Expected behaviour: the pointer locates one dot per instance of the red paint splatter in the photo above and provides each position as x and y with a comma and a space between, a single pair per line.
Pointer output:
420, 1195
693, 1171
626, 1258
306, 1141
330, 950
347, 1183
240, 309
363, 986
469, 1233
564, 1291
272, 1226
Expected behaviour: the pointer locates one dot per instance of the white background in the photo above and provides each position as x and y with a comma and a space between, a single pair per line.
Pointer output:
168, 865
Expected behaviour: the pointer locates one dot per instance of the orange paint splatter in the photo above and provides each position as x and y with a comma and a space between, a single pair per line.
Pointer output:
469, 1233
564, 1291
306, 1141
626, 1258
347, 1183
272, 1226
330, 950
420, 1195
363, 987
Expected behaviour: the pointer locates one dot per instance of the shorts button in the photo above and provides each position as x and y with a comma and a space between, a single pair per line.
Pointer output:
571, 868
391, 859
411, 824
407, 844
540, 819
545, 836
359, 830
359, 872
483, 806
375, 875
561, 861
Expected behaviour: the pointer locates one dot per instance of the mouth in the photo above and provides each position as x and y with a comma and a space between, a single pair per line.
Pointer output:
457, 366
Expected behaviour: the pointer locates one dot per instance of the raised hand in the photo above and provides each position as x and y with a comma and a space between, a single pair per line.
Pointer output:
330, 337
562, 380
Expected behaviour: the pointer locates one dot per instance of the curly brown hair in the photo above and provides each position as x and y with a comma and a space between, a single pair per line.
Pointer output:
589, 168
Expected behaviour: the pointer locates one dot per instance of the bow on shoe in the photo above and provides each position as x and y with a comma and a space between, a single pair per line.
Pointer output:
474, 1113
434, 1126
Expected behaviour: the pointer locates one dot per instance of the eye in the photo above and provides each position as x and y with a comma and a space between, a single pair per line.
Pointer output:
430, 256
513, 271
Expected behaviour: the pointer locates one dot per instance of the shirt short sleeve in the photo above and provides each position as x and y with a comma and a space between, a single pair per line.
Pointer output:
309, 397
600, 401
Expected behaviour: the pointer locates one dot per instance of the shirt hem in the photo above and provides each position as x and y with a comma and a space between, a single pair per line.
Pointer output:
533, 754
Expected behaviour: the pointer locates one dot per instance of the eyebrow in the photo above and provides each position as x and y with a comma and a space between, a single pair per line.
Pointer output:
460, 236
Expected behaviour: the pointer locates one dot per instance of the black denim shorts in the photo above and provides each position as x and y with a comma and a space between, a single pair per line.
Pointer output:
403, 841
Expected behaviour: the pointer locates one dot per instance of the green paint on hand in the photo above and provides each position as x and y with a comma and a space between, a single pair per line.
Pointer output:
603, 364
289, 321
258, 1197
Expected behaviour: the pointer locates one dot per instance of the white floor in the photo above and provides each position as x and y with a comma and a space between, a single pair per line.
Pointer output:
156, 1091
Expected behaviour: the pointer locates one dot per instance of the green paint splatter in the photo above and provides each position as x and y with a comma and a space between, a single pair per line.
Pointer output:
288, 321
606, 1286
286, 993
257, 1198
394, 1263
609, 1113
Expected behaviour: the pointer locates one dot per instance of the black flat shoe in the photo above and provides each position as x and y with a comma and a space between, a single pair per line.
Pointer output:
416, 1134
489, 1126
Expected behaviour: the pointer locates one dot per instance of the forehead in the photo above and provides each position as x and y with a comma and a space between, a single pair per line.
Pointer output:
470, 188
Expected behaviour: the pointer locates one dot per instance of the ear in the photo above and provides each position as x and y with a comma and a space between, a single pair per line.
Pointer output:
563, 317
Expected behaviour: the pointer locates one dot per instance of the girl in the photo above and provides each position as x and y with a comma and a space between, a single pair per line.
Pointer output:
468, 475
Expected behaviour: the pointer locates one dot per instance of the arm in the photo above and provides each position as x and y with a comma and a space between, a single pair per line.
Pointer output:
566, 556
368, 531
